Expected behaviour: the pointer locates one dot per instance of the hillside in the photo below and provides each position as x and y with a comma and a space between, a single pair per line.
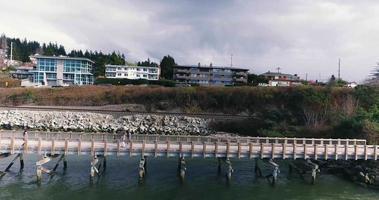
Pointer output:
297, 111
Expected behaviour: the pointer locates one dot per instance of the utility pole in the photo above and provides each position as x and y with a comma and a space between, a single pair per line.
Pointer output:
339, 68
231, 60
278, 68
11, 52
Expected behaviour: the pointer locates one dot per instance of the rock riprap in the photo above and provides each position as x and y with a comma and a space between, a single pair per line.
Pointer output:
95, 122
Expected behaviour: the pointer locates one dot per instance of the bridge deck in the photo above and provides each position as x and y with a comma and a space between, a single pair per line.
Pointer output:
170, 146
179, 138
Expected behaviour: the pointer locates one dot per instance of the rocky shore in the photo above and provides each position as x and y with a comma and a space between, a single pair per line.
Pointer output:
95, 122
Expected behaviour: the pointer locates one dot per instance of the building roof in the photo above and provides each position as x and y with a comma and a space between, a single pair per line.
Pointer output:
276, 74
210, 67
63, 58
130, 66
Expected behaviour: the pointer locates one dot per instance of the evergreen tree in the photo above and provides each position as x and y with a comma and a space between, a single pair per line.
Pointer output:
147, 63
167, 65
100, 59
254, 79
22, 49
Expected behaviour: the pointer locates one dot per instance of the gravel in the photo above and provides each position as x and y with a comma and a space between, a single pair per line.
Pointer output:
95, 122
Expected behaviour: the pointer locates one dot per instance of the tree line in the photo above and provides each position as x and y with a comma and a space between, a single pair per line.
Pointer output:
22, 49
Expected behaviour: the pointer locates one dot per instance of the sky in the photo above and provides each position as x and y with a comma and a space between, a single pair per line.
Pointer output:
299, 36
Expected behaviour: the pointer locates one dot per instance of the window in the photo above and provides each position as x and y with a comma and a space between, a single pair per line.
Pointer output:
51, 76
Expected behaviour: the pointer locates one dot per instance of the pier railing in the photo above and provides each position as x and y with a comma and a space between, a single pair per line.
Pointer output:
179, 138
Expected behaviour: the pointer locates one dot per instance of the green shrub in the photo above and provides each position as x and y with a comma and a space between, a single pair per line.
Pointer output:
113, 81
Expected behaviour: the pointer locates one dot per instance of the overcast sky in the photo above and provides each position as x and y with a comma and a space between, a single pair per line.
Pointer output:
299, 36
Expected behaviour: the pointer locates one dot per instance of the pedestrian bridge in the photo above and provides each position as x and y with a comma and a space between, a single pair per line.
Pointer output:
187, 146
100, 145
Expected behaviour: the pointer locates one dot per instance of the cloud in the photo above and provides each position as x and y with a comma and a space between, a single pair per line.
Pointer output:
298, 36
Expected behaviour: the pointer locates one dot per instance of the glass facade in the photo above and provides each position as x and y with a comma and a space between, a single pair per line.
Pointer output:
58, 71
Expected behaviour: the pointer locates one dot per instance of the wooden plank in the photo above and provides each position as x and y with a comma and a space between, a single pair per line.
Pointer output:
336, 151
39, 145
26, 146
53, 147
294, 150
204, 149
92, 146
365, 152
325, 151
155, 148
346, 151
375, 152
168, 149
12, 145
66, 146
272, 150
105, 147
239, 150
315, 151
250, 150
261, 150
180, 149
79, 146
355, 151
216, 148
192, 149
227, 149
284, 149
143, 148
130, 149
305, 150
118, 148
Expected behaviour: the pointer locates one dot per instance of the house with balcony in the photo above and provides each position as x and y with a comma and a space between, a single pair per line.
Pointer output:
132, 72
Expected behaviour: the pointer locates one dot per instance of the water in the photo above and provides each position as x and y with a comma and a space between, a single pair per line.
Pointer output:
202, 182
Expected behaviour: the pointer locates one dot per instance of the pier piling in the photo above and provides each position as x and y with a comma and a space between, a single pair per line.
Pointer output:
141, 168
229, 169
315, 170
275, 172
182, 168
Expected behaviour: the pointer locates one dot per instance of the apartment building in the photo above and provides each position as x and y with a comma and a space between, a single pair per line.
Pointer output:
210, 75
62, 71
132, 72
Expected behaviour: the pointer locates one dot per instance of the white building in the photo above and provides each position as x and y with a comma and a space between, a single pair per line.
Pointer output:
132, 72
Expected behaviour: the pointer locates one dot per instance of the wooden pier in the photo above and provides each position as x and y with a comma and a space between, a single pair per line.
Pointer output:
58, 145
187, 146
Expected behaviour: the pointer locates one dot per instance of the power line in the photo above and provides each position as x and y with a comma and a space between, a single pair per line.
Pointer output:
339, 68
